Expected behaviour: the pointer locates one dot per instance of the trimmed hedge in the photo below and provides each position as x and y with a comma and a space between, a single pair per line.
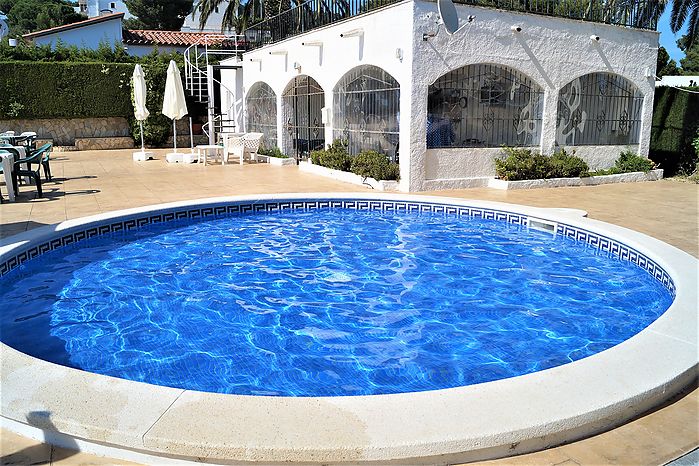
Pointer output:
43, 90
64, 90
675, 124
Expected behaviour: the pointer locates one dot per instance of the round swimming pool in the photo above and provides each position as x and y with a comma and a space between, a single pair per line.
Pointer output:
480, 329
326, 302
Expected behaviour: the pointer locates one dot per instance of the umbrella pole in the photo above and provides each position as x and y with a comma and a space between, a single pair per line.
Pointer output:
191, 136
143, 146
174, 134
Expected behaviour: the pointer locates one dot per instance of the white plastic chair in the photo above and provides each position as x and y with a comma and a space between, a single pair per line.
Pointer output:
246, 146
229, 141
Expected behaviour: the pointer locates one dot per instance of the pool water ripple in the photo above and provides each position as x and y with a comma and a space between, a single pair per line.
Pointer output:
325, 303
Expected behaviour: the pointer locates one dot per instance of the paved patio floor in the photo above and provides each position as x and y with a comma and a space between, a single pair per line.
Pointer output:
87, 183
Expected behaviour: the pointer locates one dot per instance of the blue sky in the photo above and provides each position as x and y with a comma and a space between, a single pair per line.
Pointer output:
667, 38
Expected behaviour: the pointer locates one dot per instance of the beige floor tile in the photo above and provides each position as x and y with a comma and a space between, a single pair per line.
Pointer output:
91, 182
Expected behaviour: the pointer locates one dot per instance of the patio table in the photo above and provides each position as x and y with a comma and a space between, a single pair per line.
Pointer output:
206, 149
8, 163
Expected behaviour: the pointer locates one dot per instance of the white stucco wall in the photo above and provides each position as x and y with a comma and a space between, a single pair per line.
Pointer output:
551, 51
384, 32
89, 36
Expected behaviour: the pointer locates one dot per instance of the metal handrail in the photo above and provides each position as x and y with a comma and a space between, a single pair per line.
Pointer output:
192, 67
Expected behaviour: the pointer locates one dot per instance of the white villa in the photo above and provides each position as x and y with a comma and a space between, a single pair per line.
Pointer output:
389, 77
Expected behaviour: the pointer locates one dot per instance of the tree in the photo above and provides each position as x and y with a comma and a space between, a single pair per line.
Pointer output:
686, 11
690, 63
666, 66
163, 15
34, 15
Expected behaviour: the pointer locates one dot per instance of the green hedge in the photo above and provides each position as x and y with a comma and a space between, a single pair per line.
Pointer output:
64, 90
675, 123
41, 90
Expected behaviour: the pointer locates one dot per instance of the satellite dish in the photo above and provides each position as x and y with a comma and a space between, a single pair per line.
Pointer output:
447, 13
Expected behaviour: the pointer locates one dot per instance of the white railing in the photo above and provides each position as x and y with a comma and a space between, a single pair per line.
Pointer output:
199, 81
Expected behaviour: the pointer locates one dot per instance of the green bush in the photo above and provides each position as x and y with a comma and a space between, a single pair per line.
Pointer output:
525, 164
335, 156
675, 125
375, 165
273, 152
564, 165
629, 161
521, 164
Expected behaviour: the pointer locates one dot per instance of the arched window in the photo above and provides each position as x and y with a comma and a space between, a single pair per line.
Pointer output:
261, 116
484, 105
365, 112
599, 109
304, 130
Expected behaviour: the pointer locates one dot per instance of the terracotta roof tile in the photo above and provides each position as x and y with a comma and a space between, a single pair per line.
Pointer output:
145, 37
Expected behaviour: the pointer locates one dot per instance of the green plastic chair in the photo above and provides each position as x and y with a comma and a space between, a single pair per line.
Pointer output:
35, 158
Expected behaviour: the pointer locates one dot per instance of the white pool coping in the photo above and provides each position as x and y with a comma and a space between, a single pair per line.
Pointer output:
138, 421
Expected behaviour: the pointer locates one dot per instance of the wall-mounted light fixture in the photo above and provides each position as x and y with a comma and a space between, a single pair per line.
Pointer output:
353, 33
279, 52
594, 38
315, 43
399, 54
515, 28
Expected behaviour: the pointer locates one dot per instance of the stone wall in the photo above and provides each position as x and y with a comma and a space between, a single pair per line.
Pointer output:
64, 131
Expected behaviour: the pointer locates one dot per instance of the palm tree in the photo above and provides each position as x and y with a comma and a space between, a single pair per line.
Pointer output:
237, 15
681, 11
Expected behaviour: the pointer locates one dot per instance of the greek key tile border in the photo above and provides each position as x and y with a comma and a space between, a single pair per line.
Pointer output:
235, 208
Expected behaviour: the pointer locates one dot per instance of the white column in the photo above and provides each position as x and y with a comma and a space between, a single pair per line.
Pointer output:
330, 124
549, 121
646, 121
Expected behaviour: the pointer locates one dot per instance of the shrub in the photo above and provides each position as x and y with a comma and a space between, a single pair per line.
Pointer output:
375, 165
629, 162
273, 152
335, 156
525, 164
564, 165
522, 164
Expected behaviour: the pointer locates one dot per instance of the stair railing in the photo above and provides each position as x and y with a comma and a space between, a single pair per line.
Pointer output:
197, 78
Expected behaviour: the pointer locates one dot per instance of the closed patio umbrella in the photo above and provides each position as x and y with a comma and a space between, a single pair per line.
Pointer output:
138, 83
174, 104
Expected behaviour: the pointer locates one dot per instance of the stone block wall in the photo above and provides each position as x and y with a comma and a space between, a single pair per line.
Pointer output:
64, 131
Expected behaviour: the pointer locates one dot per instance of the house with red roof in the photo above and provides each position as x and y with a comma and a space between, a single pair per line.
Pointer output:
107, 29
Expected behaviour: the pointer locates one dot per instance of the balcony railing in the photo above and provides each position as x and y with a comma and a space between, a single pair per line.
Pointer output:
312, 14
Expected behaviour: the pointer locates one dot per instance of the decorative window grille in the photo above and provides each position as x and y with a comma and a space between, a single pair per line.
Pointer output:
261, 115
484, 105
599, 109
366, 110
304, 130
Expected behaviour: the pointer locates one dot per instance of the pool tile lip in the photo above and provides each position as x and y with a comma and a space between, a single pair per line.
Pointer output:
579, 398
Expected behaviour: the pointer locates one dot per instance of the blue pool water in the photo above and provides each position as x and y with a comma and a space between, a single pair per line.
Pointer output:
324, 303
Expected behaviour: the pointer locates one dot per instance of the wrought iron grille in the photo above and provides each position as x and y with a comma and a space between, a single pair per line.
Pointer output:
365, 113
313, 14
261, 115
599, 109
484, 105
304, 130
642, 14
